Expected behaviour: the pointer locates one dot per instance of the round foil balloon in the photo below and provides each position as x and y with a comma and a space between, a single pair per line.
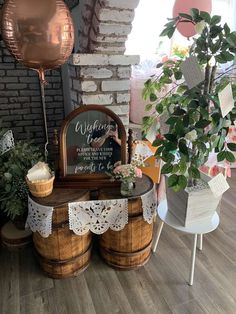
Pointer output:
183, 6
38, 33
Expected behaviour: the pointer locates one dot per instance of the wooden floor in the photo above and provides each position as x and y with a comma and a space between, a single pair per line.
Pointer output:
159, 287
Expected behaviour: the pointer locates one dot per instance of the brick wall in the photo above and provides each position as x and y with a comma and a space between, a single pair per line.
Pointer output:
102, 79
20, 101
100, 73
102, 27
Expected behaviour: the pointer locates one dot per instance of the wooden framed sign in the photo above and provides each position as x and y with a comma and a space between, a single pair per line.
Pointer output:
92, 141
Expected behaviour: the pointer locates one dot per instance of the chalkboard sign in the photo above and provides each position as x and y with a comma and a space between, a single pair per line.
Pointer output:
93, 141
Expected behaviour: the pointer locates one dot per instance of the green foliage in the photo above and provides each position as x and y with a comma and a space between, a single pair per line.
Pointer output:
14, 166
196, 126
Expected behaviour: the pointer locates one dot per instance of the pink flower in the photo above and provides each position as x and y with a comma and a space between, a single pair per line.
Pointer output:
118, 169
138, 173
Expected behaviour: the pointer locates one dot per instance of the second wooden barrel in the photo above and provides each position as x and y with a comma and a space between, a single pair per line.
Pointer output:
63, 254
129, 248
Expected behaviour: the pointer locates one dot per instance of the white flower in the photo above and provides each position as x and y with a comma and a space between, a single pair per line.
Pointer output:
191, 136
212, 61
226, 124
8, 176
199, 27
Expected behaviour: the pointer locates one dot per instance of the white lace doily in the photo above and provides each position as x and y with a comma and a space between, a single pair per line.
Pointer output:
6, 142
39, 218
95, 216
98, 216
149, 204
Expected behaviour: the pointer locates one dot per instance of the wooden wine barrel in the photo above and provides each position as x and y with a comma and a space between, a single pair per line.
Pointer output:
63, 254
129, 248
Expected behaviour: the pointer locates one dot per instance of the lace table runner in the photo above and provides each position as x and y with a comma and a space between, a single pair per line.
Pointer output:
6, 142
39, 218
95, 216
98, 216
149, 203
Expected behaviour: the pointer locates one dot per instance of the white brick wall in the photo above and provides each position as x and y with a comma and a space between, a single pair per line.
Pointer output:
88, 86
107, 39
90, 59
98, 99
96, 73
109, 49
103, 79
112, 15
116, 85
114, 29
125, 119
121, 4
123, 60
103, 59
124, 72
123, 98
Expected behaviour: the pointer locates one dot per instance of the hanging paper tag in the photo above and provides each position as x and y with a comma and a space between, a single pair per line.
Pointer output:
226, 100
218, 185
192, 72
152, 132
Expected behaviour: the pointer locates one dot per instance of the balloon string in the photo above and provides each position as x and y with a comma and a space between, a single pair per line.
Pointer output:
42, 85
41, 74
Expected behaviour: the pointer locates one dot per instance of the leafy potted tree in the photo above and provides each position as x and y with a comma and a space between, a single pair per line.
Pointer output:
196, 125
14, 165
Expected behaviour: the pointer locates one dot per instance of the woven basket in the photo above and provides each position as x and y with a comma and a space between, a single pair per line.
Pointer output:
41, 189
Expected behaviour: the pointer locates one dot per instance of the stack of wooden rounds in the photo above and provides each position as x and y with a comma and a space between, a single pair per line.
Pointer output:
14, 238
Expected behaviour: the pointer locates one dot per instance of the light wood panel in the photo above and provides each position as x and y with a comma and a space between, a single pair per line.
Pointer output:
160, 287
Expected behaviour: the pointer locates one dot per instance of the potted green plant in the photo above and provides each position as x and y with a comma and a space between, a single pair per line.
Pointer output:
193, 116
14, 165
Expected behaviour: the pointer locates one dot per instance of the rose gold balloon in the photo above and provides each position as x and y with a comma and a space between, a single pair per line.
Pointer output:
39, 33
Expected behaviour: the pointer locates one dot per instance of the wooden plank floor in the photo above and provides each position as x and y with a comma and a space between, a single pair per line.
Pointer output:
159, 287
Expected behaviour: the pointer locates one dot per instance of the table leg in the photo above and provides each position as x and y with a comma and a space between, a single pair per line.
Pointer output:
193, 256
159, 229
200, 237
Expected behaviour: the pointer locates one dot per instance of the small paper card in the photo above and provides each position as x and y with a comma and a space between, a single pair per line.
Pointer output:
192, 72
143, 151
152, 133
226, 100
218, 185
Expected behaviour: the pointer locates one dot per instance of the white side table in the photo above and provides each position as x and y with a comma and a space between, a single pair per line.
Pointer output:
198, 228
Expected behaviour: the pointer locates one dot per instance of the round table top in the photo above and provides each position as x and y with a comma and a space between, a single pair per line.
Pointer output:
61, 196
142, 186
200, 227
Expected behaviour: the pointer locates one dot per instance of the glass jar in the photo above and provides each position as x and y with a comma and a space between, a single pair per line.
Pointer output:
126, 188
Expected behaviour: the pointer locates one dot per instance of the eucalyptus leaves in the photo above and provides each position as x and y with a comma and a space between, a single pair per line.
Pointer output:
195, 122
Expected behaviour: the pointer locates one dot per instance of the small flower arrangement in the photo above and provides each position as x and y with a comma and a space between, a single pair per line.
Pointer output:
126, 173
